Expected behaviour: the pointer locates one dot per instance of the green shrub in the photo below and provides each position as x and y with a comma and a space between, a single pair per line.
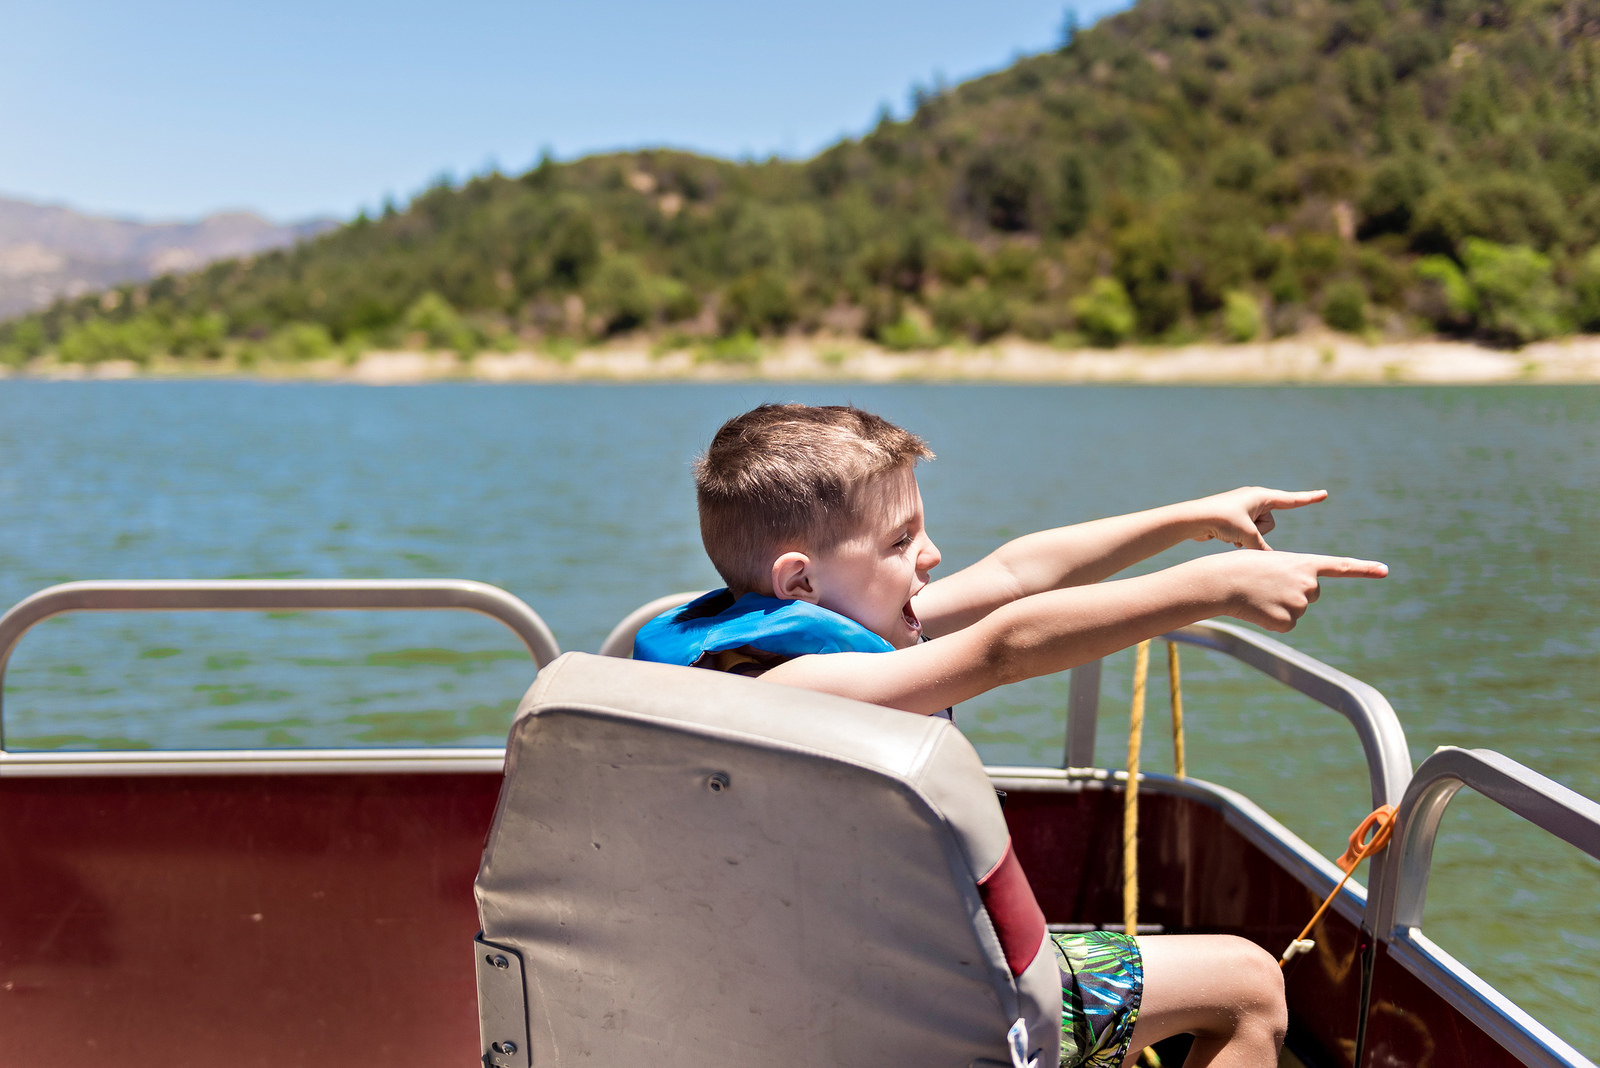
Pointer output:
1444, 218
99, 339
1105, 314
1412, 50
1039, 322
561, 349
1316, 258
1145, 259
1515, 286
1221, 251
740, 347
676, 300
908, 333
1241, 315
1586, 217
621, 293
1391, 198
1519, 210
25, 341
300, 341
753, 240
957, 262
1586, 288
1344, 306
440, 325
1241, 166
1383, 274
978, 312
1452, 304
758, 302
203, 335
573, 249
1015, 267
1284, 286
1000, 184
1075, 200
1367, 75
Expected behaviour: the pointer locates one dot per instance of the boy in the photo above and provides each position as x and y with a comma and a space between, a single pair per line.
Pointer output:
813, 518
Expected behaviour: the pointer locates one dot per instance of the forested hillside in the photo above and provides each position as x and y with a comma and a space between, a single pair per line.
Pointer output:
1188, 168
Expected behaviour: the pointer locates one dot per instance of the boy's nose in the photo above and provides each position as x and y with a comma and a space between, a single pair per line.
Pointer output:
929, 557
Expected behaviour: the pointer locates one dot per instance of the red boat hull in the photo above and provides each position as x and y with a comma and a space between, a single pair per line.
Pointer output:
249, 920
326, 918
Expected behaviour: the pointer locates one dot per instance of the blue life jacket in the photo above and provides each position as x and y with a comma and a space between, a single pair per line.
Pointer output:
684, 634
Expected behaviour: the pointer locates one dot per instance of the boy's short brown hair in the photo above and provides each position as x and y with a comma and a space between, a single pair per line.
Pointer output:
789, 476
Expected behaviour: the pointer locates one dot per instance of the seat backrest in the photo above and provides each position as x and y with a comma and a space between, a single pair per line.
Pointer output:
691, 868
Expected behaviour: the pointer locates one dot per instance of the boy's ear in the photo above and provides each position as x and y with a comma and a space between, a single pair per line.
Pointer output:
791, 578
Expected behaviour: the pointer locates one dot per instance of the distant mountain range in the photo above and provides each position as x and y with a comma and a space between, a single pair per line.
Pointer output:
48, 251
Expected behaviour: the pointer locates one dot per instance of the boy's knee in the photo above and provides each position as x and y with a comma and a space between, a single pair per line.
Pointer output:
1261, 980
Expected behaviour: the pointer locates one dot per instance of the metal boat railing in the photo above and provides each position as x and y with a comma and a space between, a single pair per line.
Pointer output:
620, 641
1391, 911
1399, 893
274, 595
1383, 741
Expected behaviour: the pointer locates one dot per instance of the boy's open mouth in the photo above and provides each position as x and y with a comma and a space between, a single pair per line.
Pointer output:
910, 617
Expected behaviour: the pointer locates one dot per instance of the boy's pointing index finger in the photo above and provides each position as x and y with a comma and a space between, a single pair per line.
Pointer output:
1347, 567
1295, 498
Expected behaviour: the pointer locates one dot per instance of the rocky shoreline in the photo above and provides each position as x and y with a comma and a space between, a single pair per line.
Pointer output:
1329, 358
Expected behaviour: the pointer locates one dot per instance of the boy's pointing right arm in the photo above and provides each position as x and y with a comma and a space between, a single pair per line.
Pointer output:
1046, 632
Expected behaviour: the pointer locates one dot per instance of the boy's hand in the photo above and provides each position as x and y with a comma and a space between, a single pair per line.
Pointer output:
1243, 516
1274, 590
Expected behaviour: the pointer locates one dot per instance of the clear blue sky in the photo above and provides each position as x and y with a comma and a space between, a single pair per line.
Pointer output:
175, 108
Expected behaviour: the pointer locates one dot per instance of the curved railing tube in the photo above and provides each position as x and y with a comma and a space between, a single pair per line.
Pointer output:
1542, 801
1382, 738
1400, 887
275, 595
620, 641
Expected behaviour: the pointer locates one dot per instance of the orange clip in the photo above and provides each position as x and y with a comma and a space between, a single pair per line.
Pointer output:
1379, 824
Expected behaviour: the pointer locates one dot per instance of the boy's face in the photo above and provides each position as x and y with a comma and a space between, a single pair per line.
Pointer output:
872, 576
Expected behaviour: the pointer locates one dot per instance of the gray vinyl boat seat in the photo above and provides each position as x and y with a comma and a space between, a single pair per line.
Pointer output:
688, 868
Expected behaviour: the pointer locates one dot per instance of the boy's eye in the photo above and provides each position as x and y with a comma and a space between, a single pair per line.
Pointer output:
903, 541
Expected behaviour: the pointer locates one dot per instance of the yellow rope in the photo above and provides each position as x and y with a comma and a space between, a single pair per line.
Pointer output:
1177, 709
1130, 795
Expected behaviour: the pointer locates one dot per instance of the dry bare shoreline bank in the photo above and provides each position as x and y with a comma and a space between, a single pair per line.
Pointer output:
1329, 358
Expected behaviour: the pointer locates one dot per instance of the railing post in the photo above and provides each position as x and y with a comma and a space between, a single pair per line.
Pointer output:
1083, 710
272, 595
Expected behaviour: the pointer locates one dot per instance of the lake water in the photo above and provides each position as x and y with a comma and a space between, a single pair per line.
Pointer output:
1484, 501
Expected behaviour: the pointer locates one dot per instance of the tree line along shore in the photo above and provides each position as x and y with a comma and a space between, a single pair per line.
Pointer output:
1317, 358
1178, 178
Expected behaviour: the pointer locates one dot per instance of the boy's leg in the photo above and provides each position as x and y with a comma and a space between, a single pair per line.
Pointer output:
1225, 991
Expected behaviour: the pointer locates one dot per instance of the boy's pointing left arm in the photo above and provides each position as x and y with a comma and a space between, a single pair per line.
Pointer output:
1086, 553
